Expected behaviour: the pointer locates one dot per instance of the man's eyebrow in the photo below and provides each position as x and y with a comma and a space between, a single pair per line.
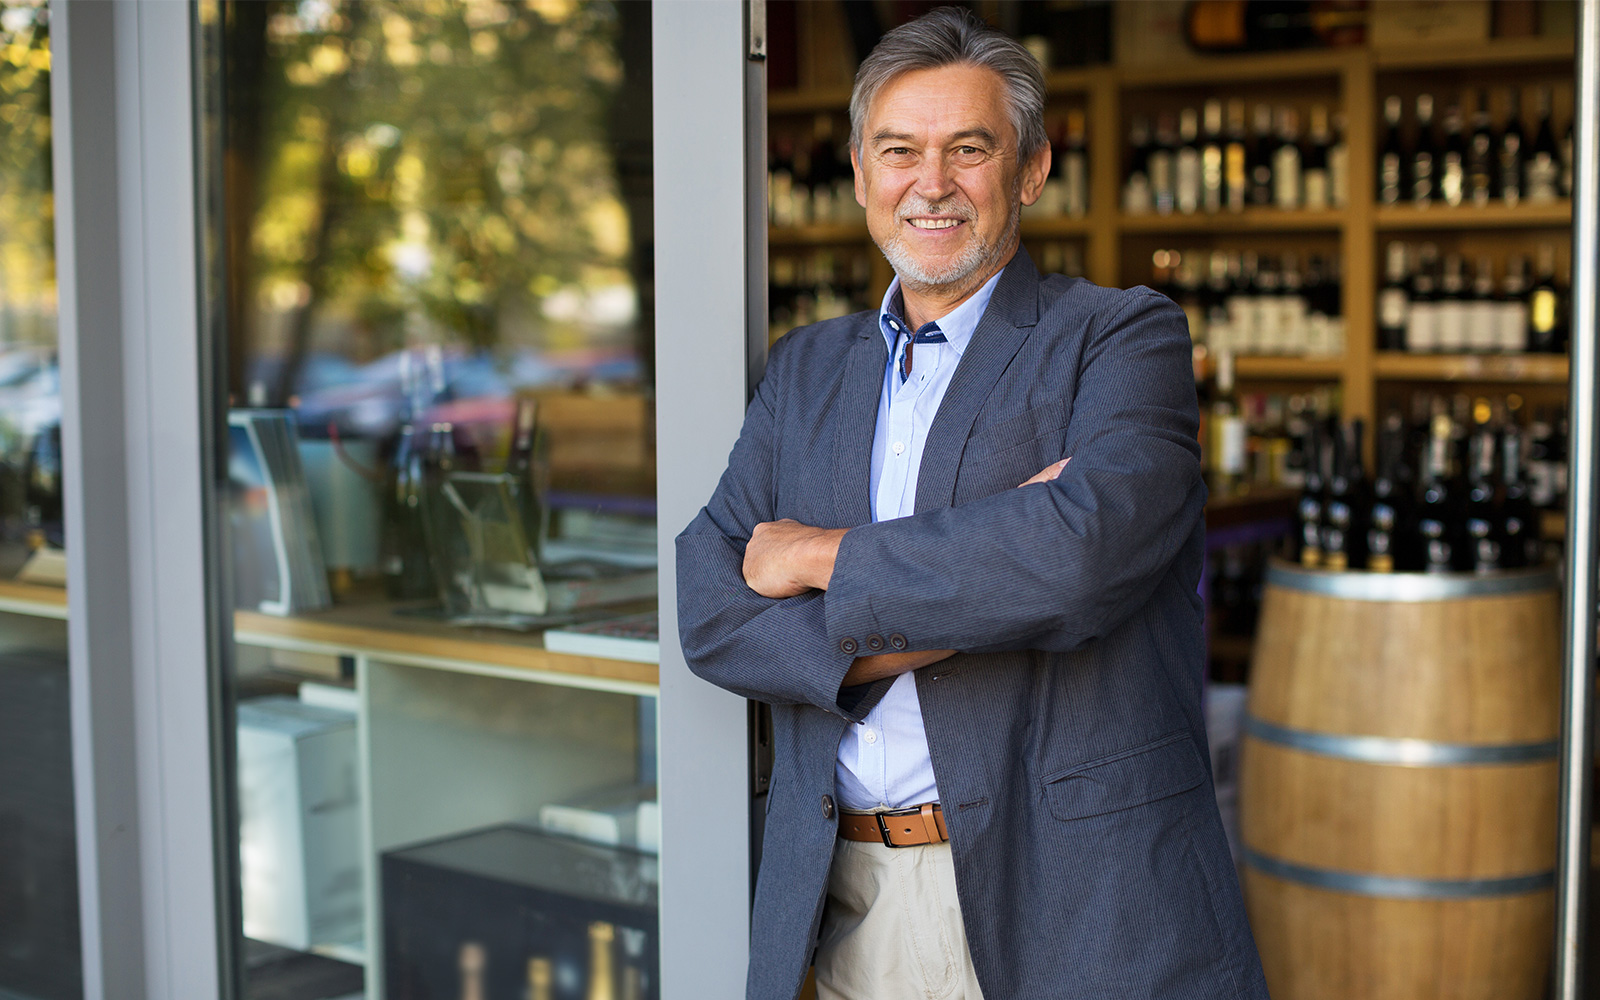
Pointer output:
977, 133
885, 135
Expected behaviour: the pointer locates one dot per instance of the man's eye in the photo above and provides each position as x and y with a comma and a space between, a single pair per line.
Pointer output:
969, 154
897, 154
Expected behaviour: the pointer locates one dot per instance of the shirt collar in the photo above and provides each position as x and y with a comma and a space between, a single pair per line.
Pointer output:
957, 325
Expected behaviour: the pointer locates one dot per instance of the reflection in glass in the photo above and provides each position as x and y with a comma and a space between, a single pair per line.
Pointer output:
39, 943
436, 318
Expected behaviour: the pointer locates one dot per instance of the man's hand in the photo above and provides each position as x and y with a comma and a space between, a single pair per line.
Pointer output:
1048, 473
786, 558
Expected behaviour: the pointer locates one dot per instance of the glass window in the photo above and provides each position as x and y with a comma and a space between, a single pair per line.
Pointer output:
434, 222
39, 944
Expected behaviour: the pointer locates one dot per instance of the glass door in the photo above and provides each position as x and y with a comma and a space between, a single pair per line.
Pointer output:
39, 935
433, 318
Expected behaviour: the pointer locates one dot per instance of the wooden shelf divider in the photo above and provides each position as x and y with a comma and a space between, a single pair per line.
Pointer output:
1551, 215
1542, 369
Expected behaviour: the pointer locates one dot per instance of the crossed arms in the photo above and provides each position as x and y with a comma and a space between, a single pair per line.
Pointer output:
766, 608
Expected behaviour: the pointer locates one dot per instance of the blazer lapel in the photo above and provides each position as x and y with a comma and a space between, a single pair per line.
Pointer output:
856, 419
1012, 314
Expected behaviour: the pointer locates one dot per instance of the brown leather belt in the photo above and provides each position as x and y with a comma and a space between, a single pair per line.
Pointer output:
906, 827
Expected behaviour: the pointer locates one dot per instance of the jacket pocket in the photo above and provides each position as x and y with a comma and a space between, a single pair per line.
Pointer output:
1021, 429
1127, 778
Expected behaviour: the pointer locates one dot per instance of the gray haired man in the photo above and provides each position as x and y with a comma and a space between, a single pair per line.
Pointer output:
990, 777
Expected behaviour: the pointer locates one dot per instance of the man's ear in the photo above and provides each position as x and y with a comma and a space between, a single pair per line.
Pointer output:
1034, 173
861, 187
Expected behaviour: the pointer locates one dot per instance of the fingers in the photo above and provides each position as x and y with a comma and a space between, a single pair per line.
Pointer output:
1048, 473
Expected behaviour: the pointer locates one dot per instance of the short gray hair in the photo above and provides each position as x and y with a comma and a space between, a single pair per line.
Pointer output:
953, 36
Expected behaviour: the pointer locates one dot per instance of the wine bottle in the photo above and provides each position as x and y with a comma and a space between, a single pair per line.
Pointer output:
1423, 156
1308, 512
1438, 506
1542, 169
1261, 188
1391, 158
1186, 163
1480, 156
602, 962
1519, 522
1228, 437
1543, 460
1510, 150
1267, 337
1422, 319
540, 979
1235, 160
1544, 306
1388, 514
1481, 517
1075, 168
1314, 170
1512, 318
1286, 162
1452, 165
1293, 307
1394, 300
1483, 310
1344, 533
1211, 166
1451, 306
1338, 158
1138, 196
1163, 162
780, 183
820, 177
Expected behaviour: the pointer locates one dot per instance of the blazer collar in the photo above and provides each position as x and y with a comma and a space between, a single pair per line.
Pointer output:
1013, 311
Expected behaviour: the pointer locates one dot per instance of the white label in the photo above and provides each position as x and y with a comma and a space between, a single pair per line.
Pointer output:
1286, 177
1451, 326
1075, 195
1482, 325
1316, 335
1542, 175
1234, 449
1422, 327
1393, 305
1317, 189
1188, 182
1291, 324
1339, 175
1242, 323
1511, 326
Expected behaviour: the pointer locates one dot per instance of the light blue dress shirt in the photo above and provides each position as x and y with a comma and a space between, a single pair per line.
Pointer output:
883, 760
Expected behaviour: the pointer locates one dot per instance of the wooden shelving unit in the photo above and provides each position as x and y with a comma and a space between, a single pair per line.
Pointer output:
1352, 78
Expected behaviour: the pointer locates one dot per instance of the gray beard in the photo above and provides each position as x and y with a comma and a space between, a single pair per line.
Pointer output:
979, 258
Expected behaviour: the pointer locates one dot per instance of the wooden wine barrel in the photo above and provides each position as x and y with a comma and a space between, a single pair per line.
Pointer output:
1398, 783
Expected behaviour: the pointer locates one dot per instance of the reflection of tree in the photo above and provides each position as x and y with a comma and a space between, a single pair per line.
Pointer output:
27, 217
422, 156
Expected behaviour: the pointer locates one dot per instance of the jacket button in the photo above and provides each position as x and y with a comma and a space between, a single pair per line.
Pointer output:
848, 646
874, 642
827, 807
898, 641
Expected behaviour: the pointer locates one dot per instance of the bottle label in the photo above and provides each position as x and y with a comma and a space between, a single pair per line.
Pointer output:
1482, 326
1450, 325
1234, 445
1286, 177
1317, 188
1380, 563
1422, 327
1511, 333
1393, 306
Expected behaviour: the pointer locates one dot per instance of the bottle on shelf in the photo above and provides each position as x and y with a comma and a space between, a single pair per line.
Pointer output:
1338, 158
1163, 163
1452, 163
1394, 300
1481, 517
1075, 167
1451, 307
1264, 142
1308, 512
1228, 436
1389, 512
602, 962
1511, 314
820, 174
1212, 182
1509, 151
780, 183
1480, 163
1286, 162
1542, 168
1138, 197
1424, 159
541, 979
1483, 310
1391, 155
1235, 159
1439, 521
1422, 317
1520, 544
1186, 163
1344, 532
1316, 182
1544, 307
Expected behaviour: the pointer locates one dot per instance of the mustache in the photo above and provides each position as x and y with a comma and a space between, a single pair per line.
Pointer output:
953, 207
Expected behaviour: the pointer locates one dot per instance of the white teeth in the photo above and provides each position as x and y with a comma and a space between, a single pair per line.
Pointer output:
934, 223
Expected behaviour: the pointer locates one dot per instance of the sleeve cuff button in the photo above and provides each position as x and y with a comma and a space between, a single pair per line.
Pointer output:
898, 641
848, 646
875, 643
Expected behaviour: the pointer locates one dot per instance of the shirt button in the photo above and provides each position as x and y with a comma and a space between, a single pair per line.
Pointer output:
871, 736
899, 447
827, 807
893, 325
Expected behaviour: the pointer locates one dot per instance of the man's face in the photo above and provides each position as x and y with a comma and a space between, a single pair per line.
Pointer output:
939, 176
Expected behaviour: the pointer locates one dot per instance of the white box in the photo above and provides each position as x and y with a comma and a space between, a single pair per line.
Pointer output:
299, 823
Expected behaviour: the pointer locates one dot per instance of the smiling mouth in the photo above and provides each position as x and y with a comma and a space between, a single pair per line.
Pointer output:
936, 223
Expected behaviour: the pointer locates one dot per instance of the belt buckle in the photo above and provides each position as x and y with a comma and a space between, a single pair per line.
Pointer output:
883, 827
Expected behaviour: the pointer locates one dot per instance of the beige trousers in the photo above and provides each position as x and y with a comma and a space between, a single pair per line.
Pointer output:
892, 927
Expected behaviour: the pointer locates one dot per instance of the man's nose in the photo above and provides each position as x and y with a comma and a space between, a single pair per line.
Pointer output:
934, 179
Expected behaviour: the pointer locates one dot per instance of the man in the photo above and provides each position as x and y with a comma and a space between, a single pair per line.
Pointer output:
1002, 683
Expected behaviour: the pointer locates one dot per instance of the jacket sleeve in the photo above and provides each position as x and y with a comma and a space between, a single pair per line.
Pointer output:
775, 651
1054, 565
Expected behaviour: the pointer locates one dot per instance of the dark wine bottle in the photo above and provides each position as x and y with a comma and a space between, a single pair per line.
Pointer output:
1542, 168
1344, 532
1389, 513
1439, 524
1510, 150
1211, 167
1520, 544
1481, 517
1187, 179
1308, 512
1391, 158
1235, 160
1394, 300
1544, 306
1263, 141
1480, 156
1138, 196
1452, 164
1424, 157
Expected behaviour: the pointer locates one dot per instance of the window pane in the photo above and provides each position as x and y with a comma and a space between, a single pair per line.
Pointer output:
436, 226
39, 947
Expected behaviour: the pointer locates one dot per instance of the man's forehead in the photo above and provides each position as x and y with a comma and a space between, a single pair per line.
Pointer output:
960, 98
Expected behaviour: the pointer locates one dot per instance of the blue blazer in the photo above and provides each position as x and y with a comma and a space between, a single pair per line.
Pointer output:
1066, 736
